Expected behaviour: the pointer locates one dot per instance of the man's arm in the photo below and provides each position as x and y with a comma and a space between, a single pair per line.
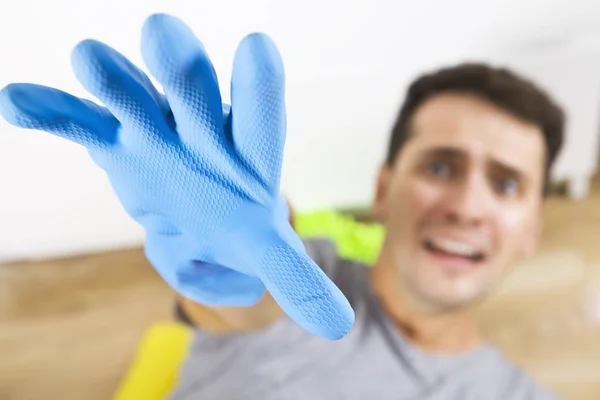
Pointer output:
223, 320
222, 185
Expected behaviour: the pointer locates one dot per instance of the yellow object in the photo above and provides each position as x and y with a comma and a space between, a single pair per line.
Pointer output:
153, 372
354, 240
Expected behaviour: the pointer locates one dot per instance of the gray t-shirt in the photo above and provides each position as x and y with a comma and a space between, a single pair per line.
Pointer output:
374, 361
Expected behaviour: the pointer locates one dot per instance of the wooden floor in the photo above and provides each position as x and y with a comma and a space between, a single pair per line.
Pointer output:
69, 328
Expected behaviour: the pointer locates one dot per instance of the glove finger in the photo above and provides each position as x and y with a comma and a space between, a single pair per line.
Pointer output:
258, 108
305, 293
47, 109
125, 90
177, 59
174, 257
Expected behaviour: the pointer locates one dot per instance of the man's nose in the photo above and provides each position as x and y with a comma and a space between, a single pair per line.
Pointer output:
469, 201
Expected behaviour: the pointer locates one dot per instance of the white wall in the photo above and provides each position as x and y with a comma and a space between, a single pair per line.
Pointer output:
347, 66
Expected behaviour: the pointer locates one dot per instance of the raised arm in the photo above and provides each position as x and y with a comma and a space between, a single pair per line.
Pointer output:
201, 177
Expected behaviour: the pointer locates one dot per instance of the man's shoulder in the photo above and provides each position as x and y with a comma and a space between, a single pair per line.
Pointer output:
512, 381
521, 385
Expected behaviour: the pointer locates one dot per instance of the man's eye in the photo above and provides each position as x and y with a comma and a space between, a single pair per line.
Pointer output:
438, 168
507, 186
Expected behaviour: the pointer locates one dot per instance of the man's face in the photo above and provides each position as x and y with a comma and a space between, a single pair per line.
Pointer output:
462, 201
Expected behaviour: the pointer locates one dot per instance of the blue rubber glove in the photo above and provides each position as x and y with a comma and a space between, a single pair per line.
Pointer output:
201, 177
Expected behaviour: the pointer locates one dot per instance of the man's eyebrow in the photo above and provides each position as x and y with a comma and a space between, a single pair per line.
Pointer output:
507, 169
445, 152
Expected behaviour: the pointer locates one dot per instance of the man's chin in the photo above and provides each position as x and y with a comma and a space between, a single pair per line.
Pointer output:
449, 300
445, 287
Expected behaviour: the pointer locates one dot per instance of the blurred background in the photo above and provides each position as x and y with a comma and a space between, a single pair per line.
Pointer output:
76, 293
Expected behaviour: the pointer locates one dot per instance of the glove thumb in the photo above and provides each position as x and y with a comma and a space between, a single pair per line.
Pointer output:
305, 293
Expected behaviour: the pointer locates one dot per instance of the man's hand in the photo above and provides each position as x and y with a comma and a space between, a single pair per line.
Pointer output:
200, 176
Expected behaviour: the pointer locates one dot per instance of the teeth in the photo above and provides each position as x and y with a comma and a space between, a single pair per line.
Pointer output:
458, 248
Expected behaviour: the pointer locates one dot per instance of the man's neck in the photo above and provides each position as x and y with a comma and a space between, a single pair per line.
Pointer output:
448, 331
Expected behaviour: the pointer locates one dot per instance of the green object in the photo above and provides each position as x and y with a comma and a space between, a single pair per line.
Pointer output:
354, 240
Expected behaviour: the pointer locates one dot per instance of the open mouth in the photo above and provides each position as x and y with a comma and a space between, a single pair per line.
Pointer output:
454, 249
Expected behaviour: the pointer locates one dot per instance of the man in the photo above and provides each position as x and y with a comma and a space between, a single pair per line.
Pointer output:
460, 196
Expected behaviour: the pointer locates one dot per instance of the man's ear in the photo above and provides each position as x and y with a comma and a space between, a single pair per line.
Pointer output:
378, 207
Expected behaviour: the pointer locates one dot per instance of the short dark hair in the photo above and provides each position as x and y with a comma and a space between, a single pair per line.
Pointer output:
501, 86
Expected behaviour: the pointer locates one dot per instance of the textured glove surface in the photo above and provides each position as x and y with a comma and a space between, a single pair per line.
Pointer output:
201, 177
